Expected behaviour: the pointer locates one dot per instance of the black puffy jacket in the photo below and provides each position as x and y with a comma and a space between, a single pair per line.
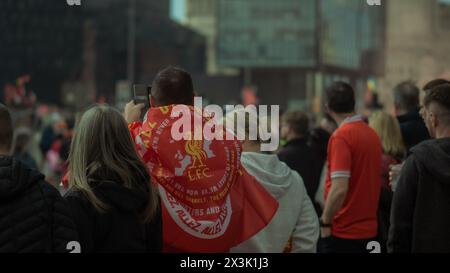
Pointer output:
33, 215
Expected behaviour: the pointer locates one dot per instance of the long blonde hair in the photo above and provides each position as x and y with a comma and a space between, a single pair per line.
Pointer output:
388, 129
102, 149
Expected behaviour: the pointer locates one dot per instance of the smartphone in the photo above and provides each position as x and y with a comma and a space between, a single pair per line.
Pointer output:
142, 95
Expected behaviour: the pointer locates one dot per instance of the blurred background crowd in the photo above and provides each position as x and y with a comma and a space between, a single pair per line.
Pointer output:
57, 59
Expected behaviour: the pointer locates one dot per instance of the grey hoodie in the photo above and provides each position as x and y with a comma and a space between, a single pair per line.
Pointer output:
295, 224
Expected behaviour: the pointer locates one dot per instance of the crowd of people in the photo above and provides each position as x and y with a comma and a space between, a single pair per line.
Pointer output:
112, 182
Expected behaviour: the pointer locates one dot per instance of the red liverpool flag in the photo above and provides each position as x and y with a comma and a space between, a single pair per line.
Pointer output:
209, 202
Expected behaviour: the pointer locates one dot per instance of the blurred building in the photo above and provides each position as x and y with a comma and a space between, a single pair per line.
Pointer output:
352, 45
42, 39
77, 54
295, 48
221, 84
200, 15
158, 42
418, 42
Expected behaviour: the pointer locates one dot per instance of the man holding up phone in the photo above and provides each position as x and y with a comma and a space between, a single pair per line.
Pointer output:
209, 202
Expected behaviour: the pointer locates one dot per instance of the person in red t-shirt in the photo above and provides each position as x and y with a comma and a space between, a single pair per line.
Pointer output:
352, 190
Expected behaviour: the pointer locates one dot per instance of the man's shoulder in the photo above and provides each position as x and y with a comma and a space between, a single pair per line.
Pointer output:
30, 181
358, 135
359, 128
294, 151
286, 153
343, 132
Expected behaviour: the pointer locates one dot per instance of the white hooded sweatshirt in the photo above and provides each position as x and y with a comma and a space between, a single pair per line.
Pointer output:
295, 223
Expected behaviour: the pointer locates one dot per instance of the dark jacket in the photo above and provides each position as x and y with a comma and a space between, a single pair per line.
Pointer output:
318, 140
420, 215
299, 156
413, 129
33, 215
120, 228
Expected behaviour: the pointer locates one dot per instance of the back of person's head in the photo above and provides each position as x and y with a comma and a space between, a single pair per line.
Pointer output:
340, 98
6, 129
102, 150
406, 96
438, 101
434, 83
297, 122
388, 129
172, 85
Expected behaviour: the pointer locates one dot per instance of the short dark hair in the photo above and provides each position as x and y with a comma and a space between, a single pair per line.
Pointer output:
440, 94
406, 96
340, 98
434, 83
6, 125
173, 85
298, 121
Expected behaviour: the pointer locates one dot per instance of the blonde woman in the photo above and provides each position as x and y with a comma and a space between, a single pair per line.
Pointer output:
115, 207
394, 151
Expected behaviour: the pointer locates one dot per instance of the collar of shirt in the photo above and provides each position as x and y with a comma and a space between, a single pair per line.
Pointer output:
351, 119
